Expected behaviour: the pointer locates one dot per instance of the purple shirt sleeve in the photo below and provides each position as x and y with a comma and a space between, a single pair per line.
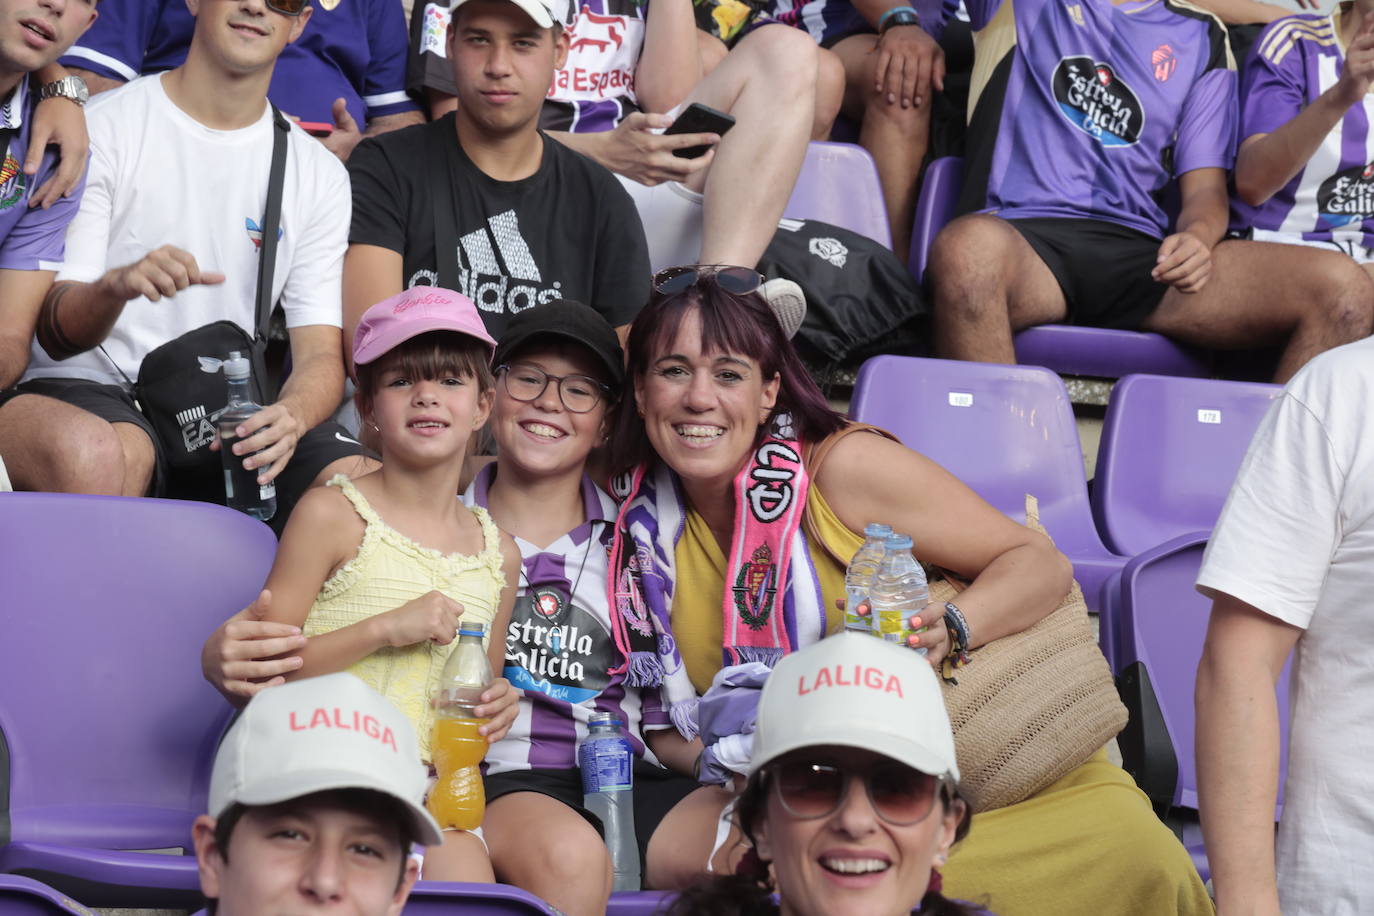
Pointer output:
117, 42
1207, 129
38, 239
652, 712
384, 85
1272, 94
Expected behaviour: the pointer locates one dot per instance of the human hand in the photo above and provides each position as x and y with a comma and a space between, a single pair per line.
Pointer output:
433, 616
161, 272
267, 439
500, 704
1358, 71
346, 132
59, 122
929, 632
248, 653
632, 149
1184, 262
910, 62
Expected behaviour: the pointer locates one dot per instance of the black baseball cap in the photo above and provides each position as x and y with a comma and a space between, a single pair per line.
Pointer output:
570, 320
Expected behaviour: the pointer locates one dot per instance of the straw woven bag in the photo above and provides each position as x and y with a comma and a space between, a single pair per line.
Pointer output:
1032, 706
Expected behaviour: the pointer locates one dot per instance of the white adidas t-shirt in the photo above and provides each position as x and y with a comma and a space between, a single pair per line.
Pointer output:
159, 177
1296, 540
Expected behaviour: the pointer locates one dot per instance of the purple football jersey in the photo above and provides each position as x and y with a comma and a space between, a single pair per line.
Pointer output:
1294, 61
30, 239
1104, 105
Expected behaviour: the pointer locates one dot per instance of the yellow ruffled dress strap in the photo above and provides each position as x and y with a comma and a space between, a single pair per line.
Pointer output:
491, 544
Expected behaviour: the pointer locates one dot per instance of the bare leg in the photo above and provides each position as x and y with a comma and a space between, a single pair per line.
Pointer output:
53, 447
685, 839
768, 82
896, 137
988, 282
461, 858
829, 92
540, 844
1263, 293
712, 51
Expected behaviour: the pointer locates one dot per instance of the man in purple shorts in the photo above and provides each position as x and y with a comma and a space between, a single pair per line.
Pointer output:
1097, 107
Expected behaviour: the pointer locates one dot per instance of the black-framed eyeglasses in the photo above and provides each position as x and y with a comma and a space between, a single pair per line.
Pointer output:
287, 7
899, 794
738, 280
578, 393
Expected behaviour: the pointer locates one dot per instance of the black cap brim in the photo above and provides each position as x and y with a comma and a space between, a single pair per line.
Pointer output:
569, 320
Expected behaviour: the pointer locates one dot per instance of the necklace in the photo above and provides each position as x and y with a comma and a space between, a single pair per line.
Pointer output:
593, 537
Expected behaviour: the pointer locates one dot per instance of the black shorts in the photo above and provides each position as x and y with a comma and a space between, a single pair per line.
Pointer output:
318, 448
657, 790
1103, 269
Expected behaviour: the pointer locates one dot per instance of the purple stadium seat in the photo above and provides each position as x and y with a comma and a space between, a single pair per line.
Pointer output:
1169, 452
638, 903
1005, 431
1163, 620
839, 185
20, 896
1067, 349
107, 730
440, 898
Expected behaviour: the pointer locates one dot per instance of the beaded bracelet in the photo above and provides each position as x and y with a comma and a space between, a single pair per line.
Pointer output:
957, 625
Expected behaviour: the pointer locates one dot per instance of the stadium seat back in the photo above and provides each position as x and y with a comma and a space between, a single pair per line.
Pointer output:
1170, 449
839, 185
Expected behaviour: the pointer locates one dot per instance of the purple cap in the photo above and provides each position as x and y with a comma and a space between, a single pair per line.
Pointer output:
416, 311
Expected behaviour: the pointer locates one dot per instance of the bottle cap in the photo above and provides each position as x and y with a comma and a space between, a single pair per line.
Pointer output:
604, 718
237, 366
472, 629
898, 542
877, 530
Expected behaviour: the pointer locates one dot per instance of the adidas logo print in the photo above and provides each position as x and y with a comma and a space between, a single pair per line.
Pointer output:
497, 271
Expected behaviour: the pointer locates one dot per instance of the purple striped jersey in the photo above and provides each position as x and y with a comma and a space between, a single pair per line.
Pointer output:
559, 645
1103, 105
1294, 61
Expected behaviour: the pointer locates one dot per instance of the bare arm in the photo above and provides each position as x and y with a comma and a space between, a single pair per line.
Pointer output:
1017, 576
1267, 162
670, 63
77, 316
633, 150
94, 81
674, 751
60, 122
371, 273
1238, 751
22, 293
1185, 258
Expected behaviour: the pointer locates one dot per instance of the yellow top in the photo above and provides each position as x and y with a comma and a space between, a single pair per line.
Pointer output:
698, 624
389, 570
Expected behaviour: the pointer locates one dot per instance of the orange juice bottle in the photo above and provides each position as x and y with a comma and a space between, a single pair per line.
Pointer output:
457, 799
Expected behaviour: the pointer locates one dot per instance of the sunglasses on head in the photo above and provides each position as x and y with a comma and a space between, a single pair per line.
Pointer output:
738, 280
287, 7
899, 794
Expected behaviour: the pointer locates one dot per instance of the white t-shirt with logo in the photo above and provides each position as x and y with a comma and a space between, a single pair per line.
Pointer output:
1296, 541
159, 177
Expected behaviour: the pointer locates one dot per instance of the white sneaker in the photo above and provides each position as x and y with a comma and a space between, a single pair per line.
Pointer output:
788, 303
5, 486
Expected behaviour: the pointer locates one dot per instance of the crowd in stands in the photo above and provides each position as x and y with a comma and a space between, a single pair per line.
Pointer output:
485, 235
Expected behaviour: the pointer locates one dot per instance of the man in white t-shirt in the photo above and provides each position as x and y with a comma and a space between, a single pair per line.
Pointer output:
167, 241
1292, 564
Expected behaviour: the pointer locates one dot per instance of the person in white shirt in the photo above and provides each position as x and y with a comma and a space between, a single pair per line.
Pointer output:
166, 241
1291, 565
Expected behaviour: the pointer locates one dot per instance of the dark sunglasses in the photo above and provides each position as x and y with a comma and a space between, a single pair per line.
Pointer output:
899, 794
738, 280
287, 7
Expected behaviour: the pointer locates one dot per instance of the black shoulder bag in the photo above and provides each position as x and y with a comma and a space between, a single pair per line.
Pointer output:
174, 393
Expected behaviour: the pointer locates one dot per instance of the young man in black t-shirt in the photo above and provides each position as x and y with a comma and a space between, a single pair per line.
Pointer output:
481, 201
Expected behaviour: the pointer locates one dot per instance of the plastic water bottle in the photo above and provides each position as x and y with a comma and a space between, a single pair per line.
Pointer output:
899, 592
607, 764
241, 488
858, 578
458, 799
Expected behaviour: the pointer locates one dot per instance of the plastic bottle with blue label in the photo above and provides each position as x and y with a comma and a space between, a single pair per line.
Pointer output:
899, 593
607, 763
241, 488
858, 578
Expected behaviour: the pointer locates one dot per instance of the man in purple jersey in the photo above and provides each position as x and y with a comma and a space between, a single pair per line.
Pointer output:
1304, 173
347, 70
1098, 107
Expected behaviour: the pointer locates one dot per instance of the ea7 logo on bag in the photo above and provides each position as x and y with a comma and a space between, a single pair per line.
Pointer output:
829, 250
772, 491
196, 429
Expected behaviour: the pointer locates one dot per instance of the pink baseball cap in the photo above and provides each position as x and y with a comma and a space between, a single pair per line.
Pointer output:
416, 311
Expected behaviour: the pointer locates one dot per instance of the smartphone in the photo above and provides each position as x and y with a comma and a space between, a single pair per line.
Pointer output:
316, 128
699, 119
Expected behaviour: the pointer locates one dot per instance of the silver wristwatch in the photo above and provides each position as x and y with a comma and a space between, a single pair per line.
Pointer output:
68, 87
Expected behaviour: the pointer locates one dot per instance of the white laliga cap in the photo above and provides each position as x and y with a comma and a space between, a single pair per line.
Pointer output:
545, 13
854, 690
319, 734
